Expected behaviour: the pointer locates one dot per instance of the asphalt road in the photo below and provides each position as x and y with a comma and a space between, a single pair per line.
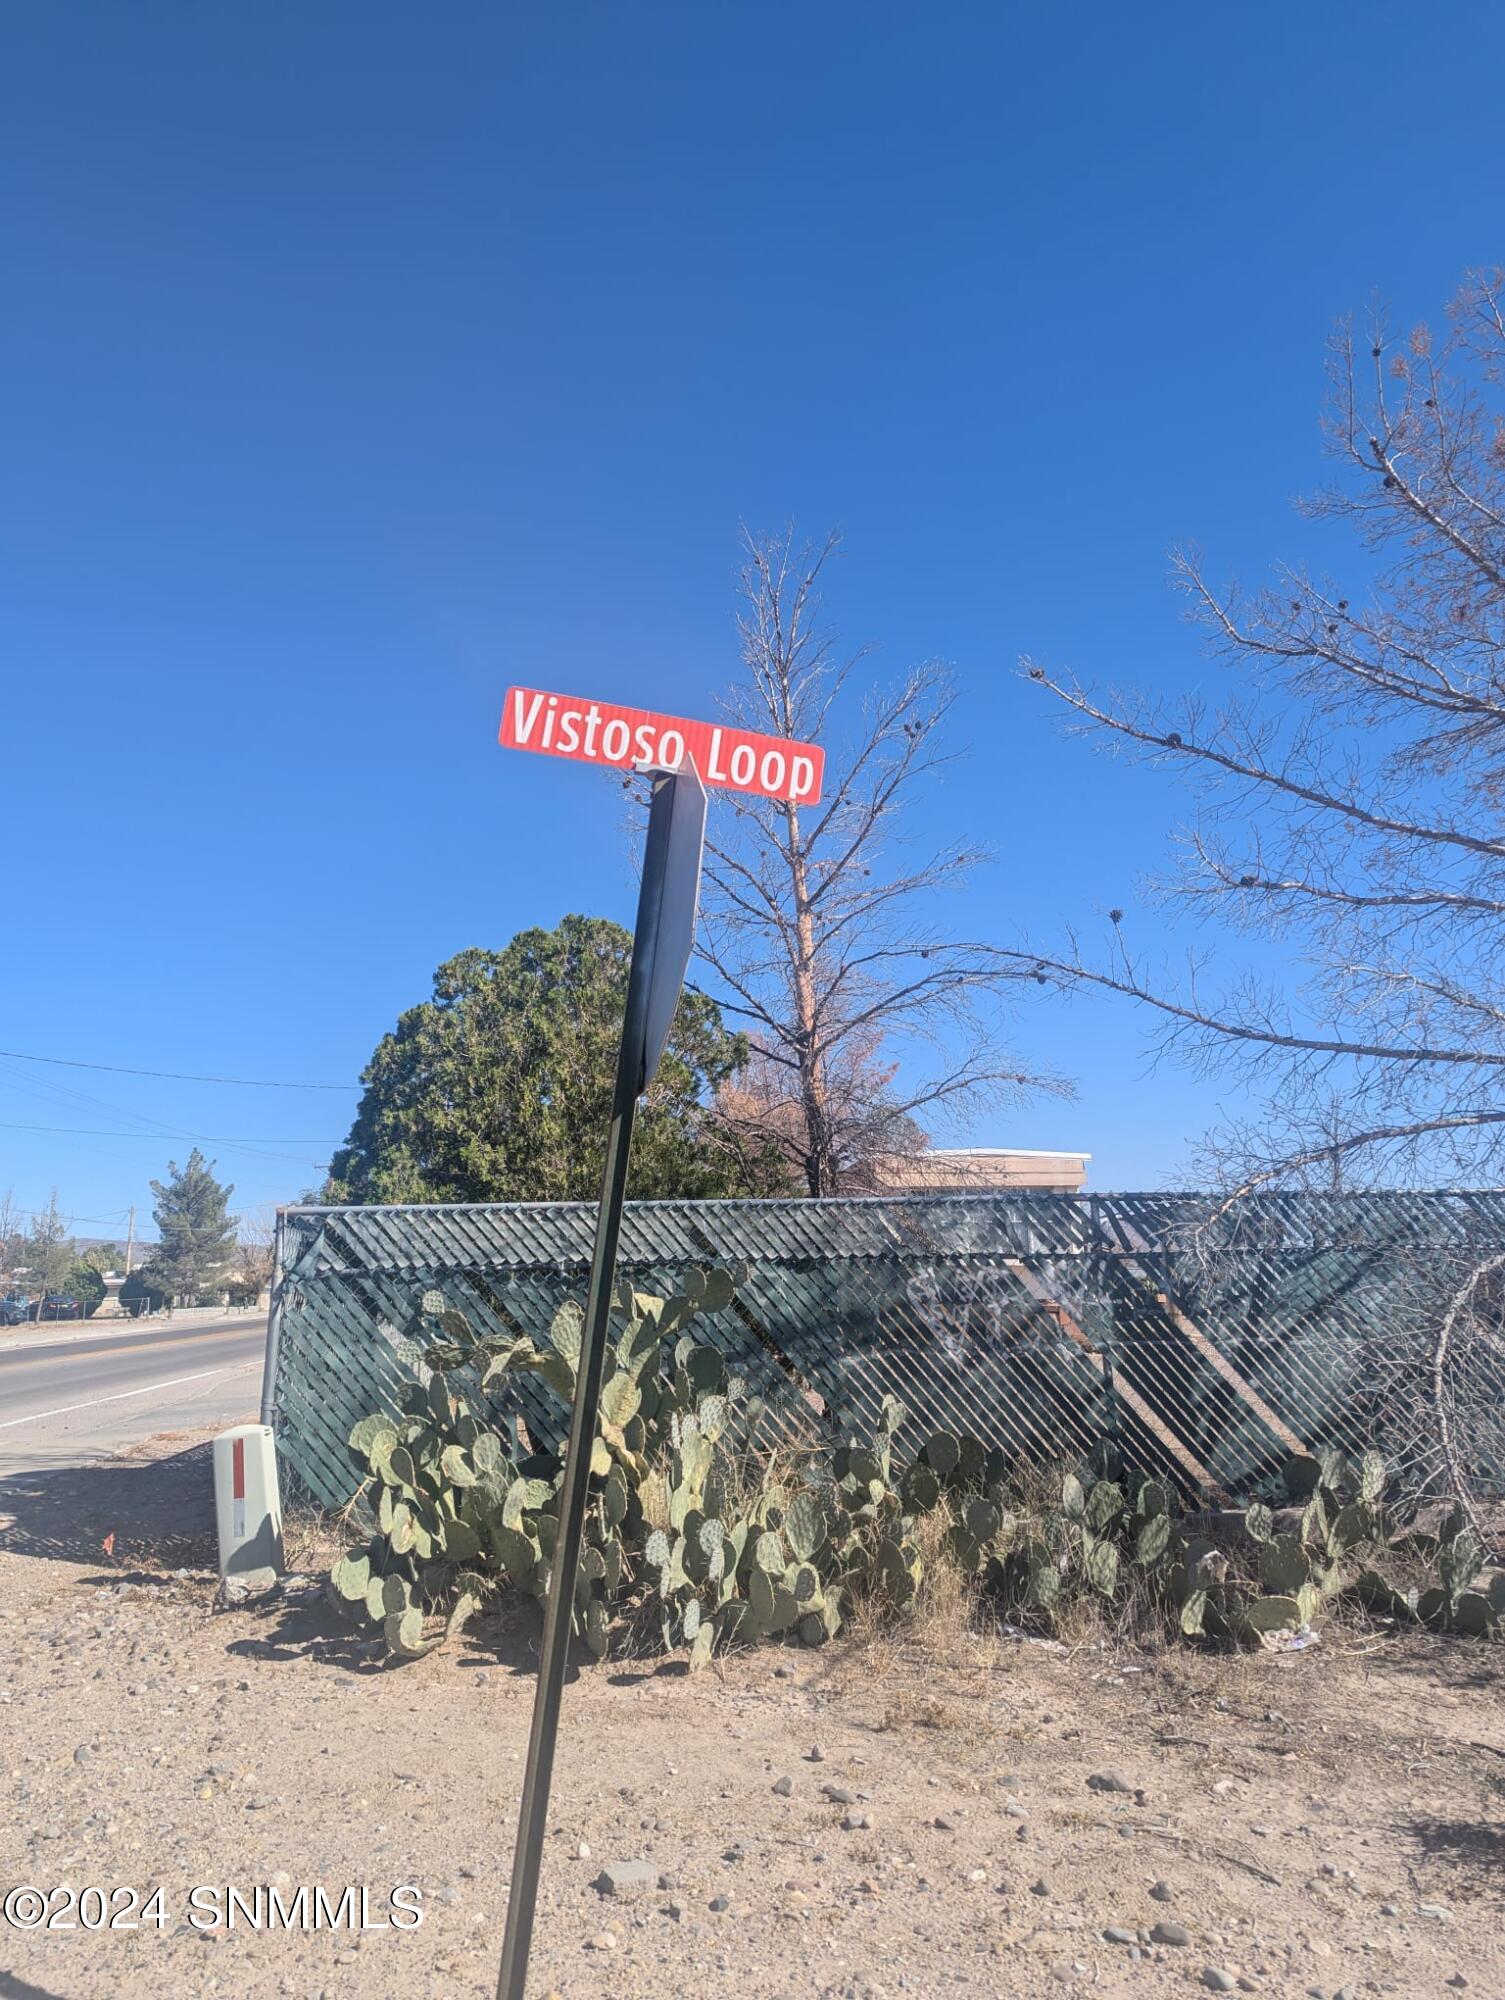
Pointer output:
68, 1399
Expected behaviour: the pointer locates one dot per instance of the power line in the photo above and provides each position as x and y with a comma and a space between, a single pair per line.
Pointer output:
176, 1076
203, 1138
116, 1215
97, 1106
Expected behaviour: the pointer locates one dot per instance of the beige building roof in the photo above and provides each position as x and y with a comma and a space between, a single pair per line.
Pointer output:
957, 1168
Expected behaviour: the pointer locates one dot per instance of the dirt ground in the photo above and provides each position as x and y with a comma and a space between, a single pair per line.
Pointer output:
1326, 1823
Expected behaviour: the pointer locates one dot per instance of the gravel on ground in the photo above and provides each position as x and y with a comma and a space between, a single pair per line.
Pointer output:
949, 1813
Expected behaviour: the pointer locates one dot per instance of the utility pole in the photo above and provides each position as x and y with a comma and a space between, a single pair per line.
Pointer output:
130, 1240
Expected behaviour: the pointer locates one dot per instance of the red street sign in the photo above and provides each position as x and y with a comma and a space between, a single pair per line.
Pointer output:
602, 732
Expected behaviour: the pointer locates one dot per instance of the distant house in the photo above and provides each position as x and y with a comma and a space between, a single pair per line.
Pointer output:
970, 1169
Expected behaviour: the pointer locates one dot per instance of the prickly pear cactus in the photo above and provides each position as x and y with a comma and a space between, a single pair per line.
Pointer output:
686, 1542
1460, 1601
692, 1541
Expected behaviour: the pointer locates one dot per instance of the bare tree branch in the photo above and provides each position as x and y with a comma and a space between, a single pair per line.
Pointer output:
1359, 772
814, 934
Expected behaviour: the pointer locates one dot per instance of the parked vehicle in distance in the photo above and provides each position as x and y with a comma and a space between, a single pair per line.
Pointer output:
15, 1310
59, 1305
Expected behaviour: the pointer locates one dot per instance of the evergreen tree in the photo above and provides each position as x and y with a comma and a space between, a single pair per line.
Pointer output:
86, 1285
499, 1088
196, 1237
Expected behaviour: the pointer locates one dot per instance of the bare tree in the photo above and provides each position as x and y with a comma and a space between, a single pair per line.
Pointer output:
49, 1247
820, 928
255, 1244
762, 1115
1350, 789
11, 1230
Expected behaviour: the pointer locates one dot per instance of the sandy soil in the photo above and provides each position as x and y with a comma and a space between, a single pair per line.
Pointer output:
1326, 1823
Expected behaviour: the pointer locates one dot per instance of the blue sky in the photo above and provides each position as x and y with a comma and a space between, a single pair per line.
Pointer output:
359, 360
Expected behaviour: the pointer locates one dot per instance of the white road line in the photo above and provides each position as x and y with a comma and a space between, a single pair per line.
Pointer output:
67, 1409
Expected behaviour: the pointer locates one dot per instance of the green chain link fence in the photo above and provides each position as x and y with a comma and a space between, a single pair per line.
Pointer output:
1209, 1345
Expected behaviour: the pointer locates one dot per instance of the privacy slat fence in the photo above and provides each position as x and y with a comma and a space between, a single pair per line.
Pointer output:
1209, 1346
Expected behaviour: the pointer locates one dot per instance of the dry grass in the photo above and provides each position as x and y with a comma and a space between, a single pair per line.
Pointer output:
946, 1639
314, 1539
944, 1617
1082, 1618
944, 1622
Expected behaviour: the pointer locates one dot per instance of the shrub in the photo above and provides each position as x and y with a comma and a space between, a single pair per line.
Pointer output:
143, 1291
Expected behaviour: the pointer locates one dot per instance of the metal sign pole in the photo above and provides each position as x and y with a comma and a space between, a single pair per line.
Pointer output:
660, 950
274, 1326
